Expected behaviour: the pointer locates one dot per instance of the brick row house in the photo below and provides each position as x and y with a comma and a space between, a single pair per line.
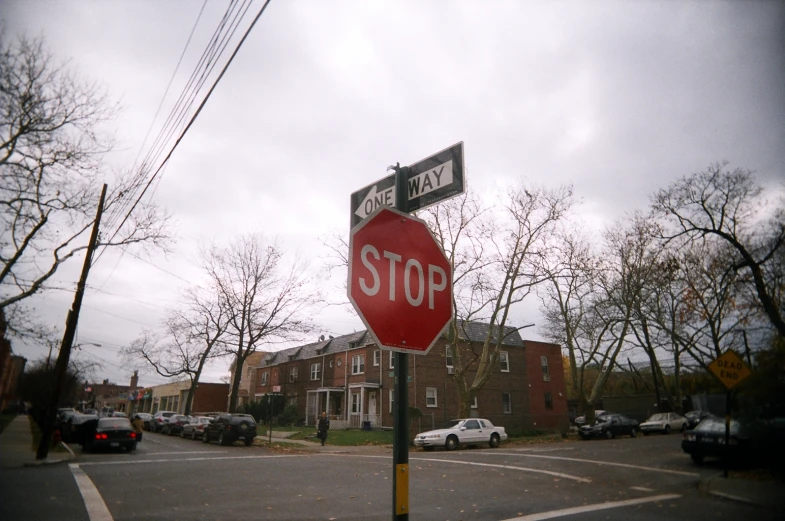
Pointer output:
351, 379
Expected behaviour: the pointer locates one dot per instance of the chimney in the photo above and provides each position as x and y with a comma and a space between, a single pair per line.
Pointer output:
135, 380
106, 381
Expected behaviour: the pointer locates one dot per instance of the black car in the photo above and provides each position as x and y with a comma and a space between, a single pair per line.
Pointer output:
609, 426
73, 431
695, 417
110, 433
174, 424
707, 440
228, 428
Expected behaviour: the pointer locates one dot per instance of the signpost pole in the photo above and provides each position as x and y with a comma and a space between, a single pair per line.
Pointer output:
401, 394
727, 432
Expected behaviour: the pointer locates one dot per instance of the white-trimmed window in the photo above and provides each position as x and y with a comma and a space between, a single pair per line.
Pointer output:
377, 357
546, 375
430, 397
355, 403
265, 378
316, 371
293, 371
358, 364
448, 355
292, 401
392, 360
506, 403
474, 403
392, 399
504, 361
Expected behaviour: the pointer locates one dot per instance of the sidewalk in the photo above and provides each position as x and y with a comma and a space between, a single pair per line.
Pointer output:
16, 446
769, 493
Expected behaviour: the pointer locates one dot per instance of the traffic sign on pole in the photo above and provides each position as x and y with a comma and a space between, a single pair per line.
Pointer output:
435, 178
730, 369
400, 281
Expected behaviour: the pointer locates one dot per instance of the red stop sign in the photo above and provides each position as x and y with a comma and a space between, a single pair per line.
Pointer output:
400, 281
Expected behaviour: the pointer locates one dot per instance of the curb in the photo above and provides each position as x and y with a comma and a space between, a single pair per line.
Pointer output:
706, 486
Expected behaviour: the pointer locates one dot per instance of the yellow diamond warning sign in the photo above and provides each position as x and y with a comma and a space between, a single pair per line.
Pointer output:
730, 369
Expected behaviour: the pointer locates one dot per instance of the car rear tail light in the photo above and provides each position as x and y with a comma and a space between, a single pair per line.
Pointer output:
133, 435
101, 436
228, 427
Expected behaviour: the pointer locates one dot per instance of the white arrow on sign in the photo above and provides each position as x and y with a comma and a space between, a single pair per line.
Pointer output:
374, 200
430, 180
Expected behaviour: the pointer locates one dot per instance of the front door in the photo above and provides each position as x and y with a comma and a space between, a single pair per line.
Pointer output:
372, 407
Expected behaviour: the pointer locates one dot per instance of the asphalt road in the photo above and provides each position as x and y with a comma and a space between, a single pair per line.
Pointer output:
169, 478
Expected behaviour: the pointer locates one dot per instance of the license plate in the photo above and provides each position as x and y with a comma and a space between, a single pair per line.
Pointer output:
707, 440
114, 444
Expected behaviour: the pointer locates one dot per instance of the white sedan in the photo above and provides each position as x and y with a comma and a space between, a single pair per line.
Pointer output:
468, 431
664, 422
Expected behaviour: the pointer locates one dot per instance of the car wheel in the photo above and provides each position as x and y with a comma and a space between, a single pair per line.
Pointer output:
221, 440
205, 439
683, 427
697, 458
193, 434
248, 442
609, 434
451, 443
667, 429
495, 440
645, 433
634, 433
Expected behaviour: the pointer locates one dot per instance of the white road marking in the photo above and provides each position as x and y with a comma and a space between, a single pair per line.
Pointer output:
137, 461
93, 502
593, 508
193, 452
643, 489
508, 467
594, 462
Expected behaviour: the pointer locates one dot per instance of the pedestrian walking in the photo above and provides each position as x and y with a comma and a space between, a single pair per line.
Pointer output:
138, 425
323, 427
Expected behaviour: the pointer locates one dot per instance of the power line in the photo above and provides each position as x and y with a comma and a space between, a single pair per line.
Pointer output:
193, 118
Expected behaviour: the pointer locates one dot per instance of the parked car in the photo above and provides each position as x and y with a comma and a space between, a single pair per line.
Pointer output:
157, 421
119, 414
174, 424
72, 431
708, 440
195, 428
467, 431
112, 433
609, 426
228, 428
664, 422
695, 417
146, 417
581, 420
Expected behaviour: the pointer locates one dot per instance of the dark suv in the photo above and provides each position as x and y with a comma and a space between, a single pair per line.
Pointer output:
228, 428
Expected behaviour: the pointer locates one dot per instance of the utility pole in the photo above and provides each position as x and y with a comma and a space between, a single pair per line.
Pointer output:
68, 338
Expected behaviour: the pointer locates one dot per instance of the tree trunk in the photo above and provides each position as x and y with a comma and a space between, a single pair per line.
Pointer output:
238, 371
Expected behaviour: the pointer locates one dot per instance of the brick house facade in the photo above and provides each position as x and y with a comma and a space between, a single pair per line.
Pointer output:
352, 380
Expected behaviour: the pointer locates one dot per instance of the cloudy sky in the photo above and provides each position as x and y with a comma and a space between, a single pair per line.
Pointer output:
615, 98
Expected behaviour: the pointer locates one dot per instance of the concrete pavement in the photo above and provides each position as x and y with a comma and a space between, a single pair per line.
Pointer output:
767, 493
16, 446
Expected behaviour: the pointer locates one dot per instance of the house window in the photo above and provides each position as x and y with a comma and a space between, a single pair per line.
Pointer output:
355, 403
265, 377
316, 371
504, 361
293, 374
448, 355
506, 403
292, 401
377, 356
358, 364
392, 396
392, 360
548, 401
430, 396
546, 376
474, 403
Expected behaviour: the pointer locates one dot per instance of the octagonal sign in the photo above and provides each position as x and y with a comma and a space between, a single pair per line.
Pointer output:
400, 281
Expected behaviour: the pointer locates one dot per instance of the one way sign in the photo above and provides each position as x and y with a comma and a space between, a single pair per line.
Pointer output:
431, 180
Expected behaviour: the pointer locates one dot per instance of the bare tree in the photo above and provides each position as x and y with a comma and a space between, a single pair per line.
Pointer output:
726, 205
51, 148
192, 336
264, 296
496, 266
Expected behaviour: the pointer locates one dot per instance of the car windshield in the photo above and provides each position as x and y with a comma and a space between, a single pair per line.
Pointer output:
453, 424
180, 418
114, 423
717, 425
205, 420
657, 417
602, 419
